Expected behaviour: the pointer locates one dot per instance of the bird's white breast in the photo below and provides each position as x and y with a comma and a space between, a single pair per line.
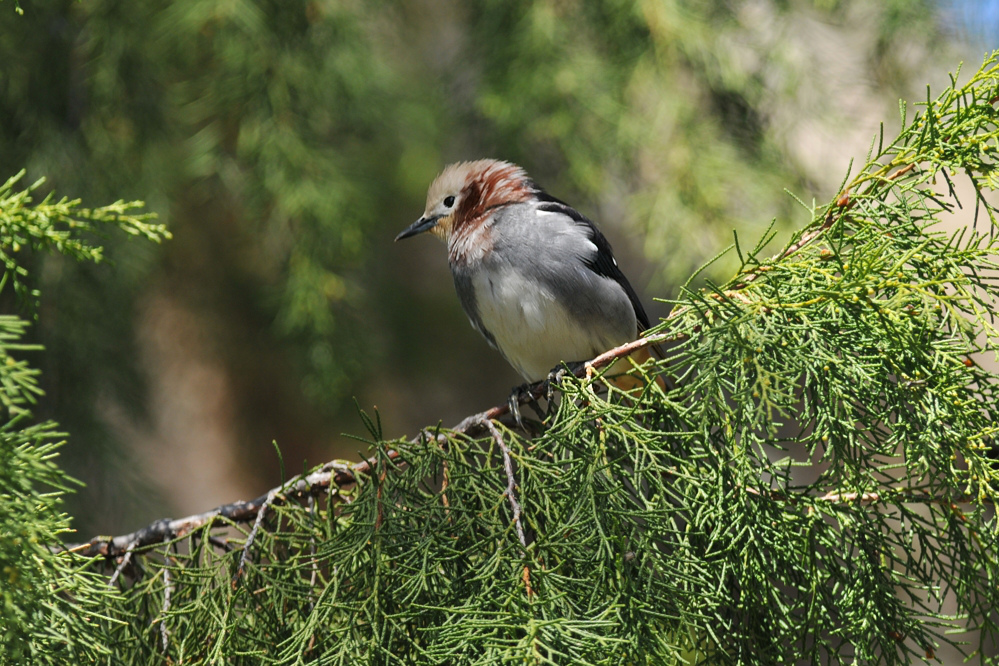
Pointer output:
531, 327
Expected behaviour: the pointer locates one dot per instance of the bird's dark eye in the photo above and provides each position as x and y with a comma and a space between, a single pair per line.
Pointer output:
449, 201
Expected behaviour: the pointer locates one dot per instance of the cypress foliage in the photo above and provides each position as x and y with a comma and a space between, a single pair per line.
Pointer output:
54, 608
816, 484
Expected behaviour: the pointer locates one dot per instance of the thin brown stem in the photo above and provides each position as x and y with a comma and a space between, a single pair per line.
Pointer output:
167, 590
126, 558
511, 481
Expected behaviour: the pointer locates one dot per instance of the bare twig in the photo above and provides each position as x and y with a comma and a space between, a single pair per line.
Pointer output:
312, 551
849, 498
261, 512
444, 485
511, 495
511, 481
476, 422
167, 589
336, 474
852, 497
126, 558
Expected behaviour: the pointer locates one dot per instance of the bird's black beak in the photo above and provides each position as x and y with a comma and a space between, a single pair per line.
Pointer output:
418, 227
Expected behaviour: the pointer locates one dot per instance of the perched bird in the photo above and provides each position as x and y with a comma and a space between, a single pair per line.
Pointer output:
534, 276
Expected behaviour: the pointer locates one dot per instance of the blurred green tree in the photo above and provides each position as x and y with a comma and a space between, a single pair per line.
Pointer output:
284, 143
51, 609
816, 481
257, 130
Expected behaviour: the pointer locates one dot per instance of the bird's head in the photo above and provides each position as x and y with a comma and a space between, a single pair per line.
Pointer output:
463, 192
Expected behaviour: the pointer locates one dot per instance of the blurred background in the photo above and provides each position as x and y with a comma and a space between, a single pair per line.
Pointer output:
285, 143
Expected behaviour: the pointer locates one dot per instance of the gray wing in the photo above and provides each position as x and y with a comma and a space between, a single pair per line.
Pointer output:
565, 251
603, 262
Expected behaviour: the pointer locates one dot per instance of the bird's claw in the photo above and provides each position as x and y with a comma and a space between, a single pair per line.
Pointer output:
522, 394
552, 381
525, 393
557, 374
513, 402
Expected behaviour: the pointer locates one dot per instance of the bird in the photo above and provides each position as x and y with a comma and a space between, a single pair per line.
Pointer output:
534, 276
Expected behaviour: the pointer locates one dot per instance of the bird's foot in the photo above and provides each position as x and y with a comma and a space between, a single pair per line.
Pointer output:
523, 394
554, 379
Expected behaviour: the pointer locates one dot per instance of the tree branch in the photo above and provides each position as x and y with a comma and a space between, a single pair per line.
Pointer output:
339, 474
342, 475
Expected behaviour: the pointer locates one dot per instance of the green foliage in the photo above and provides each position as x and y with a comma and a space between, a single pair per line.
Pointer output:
57, 244
283, 141
657, 527
262, 126
260, 132
815, 484
61, 227
665, 114
286, 143
53, 608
